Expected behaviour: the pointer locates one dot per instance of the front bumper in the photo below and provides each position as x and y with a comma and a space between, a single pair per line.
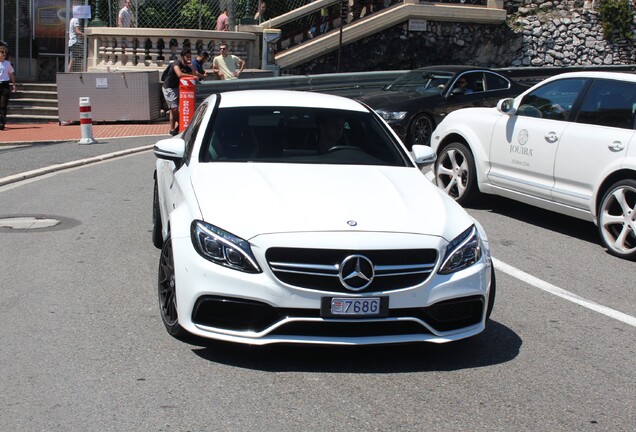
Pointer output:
224, 304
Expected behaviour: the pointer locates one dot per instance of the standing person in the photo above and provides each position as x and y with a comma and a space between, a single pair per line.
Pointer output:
75, 42
6, 75
223, 21
197, 65
125, 19
227, 66
125, 15
171, 87
261, 13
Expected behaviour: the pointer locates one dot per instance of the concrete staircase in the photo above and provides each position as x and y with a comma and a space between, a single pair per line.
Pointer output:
33, 103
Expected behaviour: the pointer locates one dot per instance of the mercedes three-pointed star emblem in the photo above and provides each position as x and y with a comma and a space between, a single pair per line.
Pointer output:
356, 272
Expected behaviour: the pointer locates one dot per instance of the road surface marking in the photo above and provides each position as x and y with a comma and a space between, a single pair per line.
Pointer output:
548, 287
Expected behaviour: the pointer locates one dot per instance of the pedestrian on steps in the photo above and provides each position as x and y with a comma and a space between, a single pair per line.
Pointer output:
6, 76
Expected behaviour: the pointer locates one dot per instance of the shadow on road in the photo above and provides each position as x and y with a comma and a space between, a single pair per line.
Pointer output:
562, 224
497, 344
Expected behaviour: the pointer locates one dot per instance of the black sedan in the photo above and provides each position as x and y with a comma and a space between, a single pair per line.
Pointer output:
415, 103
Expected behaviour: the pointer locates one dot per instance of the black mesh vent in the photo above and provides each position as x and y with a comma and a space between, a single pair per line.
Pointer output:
247, 315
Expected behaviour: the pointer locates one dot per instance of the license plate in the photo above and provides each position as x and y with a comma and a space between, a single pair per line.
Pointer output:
356, 306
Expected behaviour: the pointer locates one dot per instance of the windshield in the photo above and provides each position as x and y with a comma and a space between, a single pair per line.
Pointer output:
421, 81
300, 135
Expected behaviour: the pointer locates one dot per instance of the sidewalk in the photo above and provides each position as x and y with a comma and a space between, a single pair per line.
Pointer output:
19, 133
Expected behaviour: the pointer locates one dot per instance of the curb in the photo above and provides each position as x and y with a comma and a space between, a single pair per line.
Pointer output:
73, 164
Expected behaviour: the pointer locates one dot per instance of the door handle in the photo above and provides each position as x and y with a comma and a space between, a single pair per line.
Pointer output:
616, 146
551, 137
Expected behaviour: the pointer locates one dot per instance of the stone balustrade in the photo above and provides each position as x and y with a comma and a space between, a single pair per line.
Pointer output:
132, 49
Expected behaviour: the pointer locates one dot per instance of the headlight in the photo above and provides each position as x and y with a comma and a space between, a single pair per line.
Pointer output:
464, 251
391, 115
222, 247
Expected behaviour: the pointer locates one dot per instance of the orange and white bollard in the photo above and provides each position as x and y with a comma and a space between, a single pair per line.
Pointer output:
86, 121
187, 96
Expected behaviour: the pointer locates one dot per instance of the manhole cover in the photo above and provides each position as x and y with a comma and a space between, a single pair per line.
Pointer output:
28, 222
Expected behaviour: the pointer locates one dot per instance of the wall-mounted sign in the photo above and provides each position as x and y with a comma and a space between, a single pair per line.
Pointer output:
418, 25
101, 83
82, 12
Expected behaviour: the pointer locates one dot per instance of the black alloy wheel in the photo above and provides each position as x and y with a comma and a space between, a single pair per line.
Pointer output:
167, 290
420, 131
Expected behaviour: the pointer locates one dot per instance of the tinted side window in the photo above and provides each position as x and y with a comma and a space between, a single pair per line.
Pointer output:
553, 100
475, 81
609, 103
496, 82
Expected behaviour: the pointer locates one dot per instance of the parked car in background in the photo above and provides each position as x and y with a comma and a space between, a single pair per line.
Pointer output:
567, 145
416, 102
300, 217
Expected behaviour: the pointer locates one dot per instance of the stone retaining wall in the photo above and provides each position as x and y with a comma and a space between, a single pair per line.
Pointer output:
537, 33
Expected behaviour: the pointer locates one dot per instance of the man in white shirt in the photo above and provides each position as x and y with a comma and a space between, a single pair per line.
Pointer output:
125, 15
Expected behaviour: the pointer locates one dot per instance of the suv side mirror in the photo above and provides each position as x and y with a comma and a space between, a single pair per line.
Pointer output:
506, 106
423, 155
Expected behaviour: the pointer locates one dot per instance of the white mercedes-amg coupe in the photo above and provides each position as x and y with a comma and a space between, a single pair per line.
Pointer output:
300, 217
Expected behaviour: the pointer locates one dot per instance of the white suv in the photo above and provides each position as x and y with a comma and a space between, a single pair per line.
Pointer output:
566, 145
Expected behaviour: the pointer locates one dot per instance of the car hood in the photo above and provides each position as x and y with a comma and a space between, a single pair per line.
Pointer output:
389, 99
248, 199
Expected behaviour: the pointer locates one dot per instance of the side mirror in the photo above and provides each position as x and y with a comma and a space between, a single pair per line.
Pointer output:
171, 149
423, 155
506, 106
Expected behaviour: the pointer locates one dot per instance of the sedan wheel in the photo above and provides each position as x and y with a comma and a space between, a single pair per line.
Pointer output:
421, 130
617, 219
167, 292
455, 173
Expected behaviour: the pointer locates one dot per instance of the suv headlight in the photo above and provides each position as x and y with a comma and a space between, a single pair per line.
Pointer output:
391, 115
222, 247
464, 251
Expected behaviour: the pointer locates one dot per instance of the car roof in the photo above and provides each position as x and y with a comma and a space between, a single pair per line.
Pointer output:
451, 68
287, 98
621, 76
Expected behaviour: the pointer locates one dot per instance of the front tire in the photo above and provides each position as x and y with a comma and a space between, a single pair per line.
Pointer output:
167, 290
456, 174
420, 131
617, 219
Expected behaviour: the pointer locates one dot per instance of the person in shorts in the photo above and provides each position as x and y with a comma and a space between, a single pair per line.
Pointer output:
75, 42
170, 87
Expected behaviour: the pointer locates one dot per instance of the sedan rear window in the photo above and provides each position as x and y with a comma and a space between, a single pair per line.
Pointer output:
300, 135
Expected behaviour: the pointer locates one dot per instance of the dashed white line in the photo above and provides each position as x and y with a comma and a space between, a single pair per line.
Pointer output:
559, 292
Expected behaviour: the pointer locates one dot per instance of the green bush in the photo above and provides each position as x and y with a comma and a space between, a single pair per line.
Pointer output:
617, 19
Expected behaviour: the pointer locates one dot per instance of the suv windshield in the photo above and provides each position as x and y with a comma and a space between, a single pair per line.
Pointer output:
300, 135
421, 81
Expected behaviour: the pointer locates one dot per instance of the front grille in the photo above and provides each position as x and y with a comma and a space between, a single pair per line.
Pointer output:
248, 315
318, 269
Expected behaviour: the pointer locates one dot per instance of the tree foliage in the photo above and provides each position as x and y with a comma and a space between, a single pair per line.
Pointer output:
617, 19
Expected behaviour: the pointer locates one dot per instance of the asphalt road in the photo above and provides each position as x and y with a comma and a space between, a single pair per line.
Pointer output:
83, 347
